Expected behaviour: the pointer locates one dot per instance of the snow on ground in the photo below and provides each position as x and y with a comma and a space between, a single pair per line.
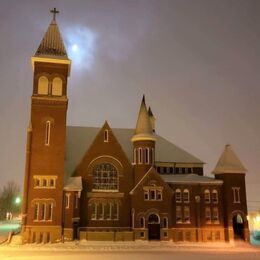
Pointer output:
8, 226
142, 250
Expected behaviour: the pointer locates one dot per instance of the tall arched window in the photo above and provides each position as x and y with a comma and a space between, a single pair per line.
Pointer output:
43, 86
165, 222
142, 222
186, 196
47, 132
146, 155
56, 87
140, 155
105, 177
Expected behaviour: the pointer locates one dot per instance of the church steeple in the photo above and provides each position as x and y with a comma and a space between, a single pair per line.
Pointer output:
52, 48
52, 43
44, 177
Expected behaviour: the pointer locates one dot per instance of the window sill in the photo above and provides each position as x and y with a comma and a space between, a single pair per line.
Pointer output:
46, 188
42, 220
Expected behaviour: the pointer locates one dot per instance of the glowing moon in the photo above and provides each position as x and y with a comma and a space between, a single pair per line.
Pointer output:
81, 42
74, 47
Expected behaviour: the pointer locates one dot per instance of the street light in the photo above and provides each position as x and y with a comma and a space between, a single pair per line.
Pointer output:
17, 200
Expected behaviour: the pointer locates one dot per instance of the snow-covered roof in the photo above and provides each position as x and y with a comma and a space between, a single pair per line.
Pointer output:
79, 139
144, 129
73, 184
189, 179
229, 162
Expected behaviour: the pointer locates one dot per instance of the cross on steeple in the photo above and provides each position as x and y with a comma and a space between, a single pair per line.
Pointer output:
54, 12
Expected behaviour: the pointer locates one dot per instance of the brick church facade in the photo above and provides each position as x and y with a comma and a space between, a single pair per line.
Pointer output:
118, 184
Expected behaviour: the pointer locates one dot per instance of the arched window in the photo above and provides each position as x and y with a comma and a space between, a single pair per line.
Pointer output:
178, 195
47, 132
215, 196
140, 155
165, 222
43, 86
186, 196
207, 196
153, 219
105, 177
142, 222
56, 87
146, 155
106, 136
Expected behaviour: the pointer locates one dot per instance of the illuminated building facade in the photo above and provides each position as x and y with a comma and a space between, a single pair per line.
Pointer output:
118, 184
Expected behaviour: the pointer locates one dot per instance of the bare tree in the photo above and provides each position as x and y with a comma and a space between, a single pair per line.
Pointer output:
8, 203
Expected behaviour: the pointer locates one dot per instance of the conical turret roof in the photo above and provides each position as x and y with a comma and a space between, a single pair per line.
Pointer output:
144, 129
152, 118
229, 162
52, 44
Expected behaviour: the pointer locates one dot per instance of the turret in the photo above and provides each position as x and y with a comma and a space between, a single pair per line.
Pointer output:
152, 118
143, 143
230, 169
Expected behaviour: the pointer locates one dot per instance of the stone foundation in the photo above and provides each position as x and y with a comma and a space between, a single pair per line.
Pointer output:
41, 234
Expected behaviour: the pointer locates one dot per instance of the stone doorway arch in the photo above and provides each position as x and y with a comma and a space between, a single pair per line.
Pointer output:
238, 223
154, 230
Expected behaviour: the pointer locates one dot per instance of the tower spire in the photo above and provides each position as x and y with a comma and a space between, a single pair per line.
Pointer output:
144, 129
229, 162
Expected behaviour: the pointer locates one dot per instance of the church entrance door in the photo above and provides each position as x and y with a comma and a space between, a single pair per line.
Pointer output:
238, 227
75, 230
154, 227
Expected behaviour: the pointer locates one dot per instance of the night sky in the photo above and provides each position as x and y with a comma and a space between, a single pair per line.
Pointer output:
198, 62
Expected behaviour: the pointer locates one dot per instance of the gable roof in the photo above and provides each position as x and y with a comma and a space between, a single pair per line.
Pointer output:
229, 162
149, 172
52, 44
79, 139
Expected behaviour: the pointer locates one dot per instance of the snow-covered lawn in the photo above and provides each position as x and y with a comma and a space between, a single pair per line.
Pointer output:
130, 251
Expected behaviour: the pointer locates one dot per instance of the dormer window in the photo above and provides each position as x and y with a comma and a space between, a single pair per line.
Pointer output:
106, 136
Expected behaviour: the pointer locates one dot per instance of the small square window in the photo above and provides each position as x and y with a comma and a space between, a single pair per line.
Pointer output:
142, 234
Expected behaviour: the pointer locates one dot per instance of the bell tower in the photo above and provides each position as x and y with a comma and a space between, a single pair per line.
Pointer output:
45, 152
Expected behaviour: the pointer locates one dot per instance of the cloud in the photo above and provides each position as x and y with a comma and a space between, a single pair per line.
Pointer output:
81, 46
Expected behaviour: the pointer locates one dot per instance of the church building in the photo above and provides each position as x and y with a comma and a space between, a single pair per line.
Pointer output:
117, 184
